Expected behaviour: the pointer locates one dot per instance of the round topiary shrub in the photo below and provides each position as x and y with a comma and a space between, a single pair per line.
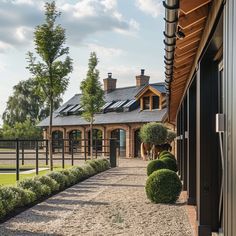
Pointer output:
163, 153
155, 165
170, 164
170, 155
163, 186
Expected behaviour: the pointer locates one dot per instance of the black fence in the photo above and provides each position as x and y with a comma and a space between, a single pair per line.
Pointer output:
20, 151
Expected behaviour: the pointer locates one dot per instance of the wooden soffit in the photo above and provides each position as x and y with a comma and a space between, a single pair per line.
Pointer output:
193, 16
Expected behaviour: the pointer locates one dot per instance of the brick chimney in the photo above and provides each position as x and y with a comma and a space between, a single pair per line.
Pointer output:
109, 83
142, 79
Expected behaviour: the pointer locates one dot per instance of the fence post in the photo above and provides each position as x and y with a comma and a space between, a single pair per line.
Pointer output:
37, 156
72, 152
17, 160
113, 152
63, 154
96, 151
47, 152
23, 153
85, 150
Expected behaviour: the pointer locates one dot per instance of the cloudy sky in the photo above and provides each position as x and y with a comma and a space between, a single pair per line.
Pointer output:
127, 35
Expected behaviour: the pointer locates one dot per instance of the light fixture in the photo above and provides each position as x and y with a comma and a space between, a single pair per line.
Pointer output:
180, 34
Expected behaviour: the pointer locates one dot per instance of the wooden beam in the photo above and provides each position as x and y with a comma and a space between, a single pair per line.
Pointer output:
194, 49
185, 42
187, 6
181, 71
187, 48
194, 17
188, 61
179, 59
194, 28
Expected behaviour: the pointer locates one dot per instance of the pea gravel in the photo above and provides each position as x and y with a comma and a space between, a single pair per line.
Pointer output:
111, 203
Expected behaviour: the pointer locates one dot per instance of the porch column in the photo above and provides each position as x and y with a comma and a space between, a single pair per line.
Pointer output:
191, 145
208, 176
184, 143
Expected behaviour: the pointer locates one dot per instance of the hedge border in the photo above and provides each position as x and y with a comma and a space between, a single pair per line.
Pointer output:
31, 191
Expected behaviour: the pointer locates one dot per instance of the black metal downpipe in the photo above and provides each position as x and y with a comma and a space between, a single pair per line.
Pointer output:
171, 19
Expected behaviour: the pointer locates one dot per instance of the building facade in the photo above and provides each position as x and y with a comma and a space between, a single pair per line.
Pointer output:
200, 54
125, 111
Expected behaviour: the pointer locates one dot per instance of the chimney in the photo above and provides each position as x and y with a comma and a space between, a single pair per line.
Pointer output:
142, 79
109, 83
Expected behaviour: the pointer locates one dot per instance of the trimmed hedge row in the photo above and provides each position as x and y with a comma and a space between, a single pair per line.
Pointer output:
30, 190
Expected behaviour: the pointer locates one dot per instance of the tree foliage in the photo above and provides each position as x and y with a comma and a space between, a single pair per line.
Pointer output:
23, 130
92, 94
171, 135
92, 98
53, 66
153, 133
25, 104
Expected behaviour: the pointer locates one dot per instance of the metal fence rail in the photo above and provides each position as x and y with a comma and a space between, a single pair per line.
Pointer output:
37, 150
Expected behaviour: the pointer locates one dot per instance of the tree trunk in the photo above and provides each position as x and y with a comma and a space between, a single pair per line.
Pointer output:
50, 136
91, 139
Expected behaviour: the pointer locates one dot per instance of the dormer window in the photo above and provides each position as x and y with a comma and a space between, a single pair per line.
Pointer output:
155, 102
146, 103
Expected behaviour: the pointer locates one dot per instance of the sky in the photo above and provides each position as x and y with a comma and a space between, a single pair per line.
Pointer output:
127, 36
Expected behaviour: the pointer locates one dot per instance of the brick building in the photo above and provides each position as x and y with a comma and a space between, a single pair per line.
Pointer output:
125, 111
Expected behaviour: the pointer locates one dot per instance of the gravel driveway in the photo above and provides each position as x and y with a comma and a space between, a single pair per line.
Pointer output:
111, 203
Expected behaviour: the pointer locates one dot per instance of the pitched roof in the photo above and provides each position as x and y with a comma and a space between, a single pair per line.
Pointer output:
119, 94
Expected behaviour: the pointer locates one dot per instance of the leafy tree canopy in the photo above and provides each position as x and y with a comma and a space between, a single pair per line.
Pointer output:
153, 133
23, 130
26, 104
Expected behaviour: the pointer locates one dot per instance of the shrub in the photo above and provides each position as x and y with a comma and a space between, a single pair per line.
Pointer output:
155, 165
61, 179
78, 172
153, 133
163, 153
71, 178
24, 196
171, 135
170, 164
170, 155
50, 182
35, 186
97, 165
163, 186
88, 171
2, 209
9, 198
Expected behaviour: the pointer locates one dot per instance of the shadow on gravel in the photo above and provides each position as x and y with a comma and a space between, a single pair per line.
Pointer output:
117, 185
73, 202
8, 232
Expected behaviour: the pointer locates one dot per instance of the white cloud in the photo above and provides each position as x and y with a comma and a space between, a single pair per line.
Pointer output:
150, 7
4, 47
81, 19
105, 51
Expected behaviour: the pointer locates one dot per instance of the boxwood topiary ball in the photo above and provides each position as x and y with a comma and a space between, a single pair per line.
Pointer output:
163, 153
170, 155
170, 163
155, 165
163, 186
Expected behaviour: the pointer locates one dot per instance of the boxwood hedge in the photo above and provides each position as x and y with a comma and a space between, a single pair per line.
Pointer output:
37, 188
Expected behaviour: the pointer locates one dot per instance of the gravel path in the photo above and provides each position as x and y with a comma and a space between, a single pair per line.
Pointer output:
111, 203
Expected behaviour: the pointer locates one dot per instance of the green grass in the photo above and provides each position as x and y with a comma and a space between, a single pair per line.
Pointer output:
10, 179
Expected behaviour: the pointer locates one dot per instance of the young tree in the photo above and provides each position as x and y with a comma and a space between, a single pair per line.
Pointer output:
51, 70
92, 98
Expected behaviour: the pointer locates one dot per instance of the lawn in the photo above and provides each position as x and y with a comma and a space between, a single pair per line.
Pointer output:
10, 179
